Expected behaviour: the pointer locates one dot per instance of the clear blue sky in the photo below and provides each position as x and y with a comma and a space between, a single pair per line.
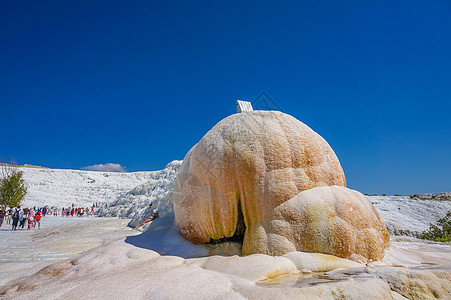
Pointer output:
138, 83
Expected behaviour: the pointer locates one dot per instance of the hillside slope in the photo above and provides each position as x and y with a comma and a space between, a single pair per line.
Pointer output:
61, 187
407, 216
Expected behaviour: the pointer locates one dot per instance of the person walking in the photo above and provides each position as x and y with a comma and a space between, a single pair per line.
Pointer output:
9, 214
38, 219
15, 217
21, 219
30, 219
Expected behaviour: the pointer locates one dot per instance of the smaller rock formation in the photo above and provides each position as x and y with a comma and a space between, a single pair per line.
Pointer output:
334, 220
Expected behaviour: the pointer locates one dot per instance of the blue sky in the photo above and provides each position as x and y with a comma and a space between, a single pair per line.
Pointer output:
138, 83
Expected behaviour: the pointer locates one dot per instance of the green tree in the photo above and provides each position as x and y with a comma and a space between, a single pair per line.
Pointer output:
12, 185
440, 232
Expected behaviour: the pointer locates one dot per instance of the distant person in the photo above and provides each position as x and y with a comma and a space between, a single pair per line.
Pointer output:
2, 216
38, 219
30, 219
15, 217
21, 219
9, 214
44, 211
72, 212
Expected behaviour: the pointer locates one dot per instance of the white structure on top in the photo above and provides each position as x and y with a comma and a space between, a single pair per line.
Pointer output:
242, 106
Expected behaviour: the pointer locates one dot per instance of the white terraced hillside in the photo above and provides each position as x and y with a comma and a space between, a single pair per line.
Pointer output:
407, 216
62, 187
139, 202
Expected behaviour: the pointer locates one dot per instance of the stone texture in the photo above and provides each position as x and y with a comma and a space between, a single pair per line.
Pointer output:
248, 164
118, 270
334, 220
256, 267
419, 282
319, 262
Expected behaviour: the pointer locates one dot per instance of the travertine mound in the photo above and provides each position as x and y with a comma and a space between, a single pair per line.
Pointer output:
333, 220
244, 167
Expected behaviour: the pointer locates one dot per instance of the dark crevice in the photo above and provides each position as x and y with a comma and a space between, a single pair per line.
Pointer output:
240, 229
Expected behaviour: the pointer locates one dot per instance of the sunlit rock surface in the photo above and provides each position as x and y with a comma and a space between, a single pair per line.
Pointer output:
333, 219
243, 168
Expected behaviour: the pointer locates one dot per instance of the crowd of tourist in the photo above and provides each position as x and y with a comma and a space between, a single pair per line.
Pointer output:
80, 211
30, 218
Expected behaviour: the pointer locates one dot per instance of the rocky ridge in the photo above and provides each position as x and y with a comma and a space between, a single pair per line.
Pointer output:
138, 203
432, 196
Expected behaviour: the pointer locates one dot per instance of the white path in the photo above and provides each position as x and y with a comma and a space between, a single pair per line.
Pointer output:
25, 252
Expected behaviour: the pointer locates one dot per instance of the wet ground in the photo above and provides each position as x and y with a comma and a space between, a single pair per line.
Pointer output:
297, 280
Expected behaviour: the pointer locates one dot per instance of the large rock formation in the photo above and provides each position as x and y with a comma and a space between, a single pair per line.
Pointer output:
250, 163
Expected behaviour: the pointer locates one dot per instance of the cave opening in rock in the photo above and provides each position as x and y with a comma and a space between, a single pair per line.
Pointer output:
240, 229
